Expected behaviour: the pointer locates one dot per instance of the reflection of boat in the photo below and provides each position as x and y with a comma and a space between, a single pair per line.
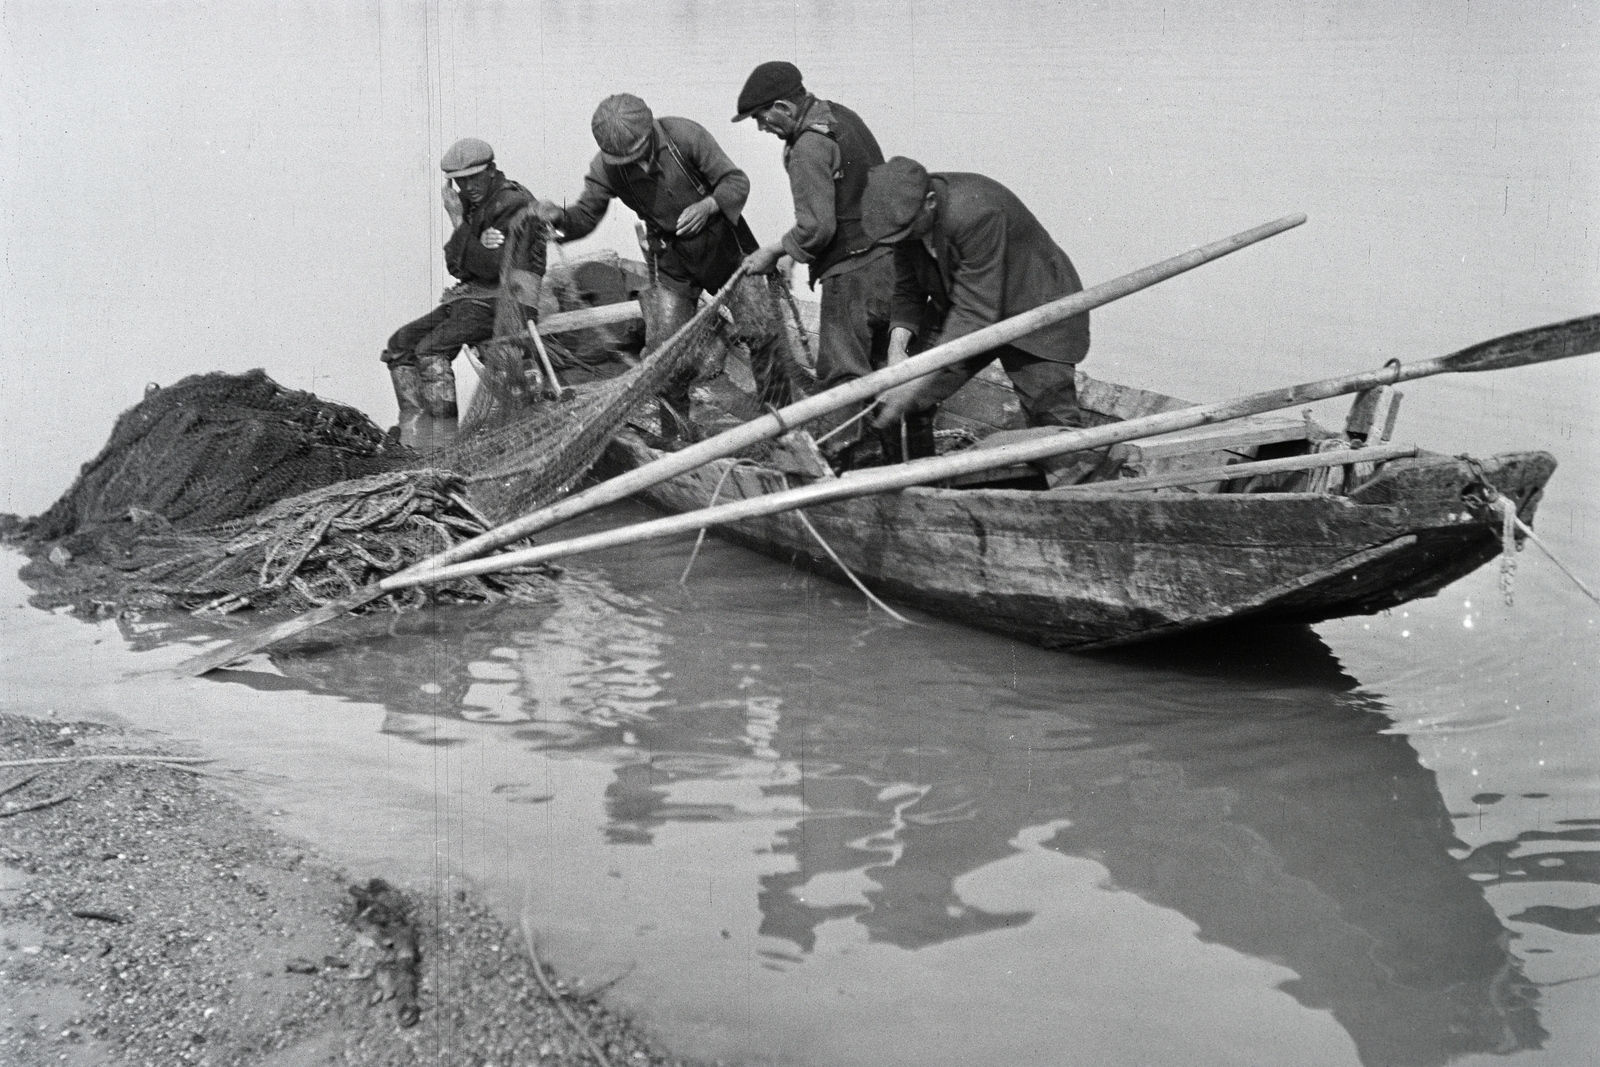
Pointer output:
1286, 825
1268, 806
1096, 565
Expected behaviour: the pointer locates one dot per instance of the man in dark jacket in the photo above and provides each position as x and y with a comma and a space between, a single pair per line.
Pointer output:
827, 152
968, 254
690, 197
483, 205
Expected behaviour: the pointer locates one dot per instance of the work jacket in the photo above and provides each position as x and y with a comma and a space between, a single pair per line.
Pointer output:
686, 166
827, 161
991, 259
464, 254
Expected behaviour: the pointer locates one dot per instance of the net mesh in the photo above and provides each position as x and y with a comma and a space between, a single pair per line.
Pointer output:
218, 447
325, 544
227, 491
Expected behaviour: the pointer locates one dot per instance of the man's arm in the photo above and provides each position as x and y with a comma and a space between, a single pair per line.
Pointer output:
581, 218
812, 163
909, 303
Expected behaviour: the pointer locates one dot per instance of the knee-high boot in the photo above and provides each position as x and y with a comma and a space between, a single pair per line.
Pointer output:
408, 398
438, 388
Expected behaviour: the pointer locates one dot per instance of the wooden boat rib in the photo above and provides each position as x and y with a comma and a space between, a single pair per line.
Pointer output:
1084, 569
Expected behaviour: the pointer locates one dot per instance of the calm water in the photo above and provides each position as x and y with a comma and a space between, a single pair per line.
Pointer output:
814, 836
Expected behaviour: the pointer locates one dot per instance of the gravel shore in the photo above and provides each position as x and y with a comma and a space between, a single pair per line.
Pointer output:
146, 918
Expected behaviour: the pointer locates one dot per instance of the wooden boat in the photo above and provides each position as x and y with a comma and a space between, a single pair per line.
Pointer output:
1095, 566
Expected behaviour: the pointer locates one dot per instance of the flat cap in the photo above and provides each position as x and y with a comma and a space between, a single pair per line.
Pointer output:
466, 157
895, 194
769, 82
622, 125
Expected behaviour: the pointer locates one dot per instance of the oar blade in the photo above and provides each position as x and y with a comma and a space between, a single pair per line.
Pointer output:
1560, 340
254, 642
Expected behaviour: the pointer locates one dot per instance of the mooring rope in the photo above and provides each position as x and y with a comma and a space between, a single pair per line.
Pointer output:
1509, 525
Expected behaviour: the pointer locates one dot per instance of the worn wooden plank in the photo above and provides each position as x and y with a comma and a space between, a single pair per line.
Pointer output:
1235, 471
584, 318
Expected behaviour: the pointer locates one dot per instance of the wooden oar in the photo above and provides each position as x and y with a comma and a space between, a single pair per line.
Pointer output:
1573, 338
763, 428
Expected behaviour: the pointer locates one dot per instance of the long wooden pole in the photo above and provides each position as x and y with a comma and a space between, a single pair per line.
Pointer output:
1573, 338
760, 429
785, 419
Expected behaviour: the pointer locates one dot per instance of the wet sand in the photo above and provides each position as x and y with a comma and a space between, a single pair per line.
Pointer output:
148, 919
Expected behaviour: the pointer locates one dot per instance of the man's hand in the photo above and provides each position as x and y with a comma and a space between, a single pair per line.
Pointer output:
696, 215
551, 212
899, 342
492, 238
452, 201
895, 404
764, 260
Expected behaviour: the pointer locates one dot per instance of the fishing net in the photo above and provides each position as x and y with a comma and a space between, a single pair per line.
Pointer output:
521, 459
218, 447
326, 544
227, 491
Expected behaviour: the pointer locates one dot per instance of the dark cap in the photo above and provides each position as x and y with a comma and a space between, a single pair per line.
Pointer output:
768, 83
894, 197
466, 157
622, 125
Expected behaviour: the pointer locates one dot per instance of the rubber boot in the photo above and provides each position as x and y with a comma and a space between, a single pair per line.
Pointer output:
918, 437
438, 429
665, 312
408, 397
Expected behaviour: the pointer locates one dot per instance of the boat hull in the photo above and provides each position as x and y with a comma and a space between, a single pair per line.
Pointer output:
1083, 570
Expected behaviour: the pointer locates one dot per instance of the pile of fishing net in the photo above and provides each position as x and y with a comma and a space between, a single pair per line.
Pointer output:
228, 491
326, 544
218, 447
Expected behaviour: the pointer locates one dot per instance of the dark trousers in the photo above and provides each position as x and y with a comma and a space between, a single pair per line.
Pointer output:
853, 337
1048, 390
430, 344
441, 333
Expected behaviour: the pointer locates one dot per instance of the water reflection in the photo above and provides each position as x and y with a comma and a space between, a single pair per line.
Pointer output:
1257, 794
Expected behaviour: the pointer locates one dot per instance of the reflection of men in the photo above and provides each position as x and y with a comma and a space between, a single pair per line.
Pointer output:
481, 203
968, 254
827, 152
678, 180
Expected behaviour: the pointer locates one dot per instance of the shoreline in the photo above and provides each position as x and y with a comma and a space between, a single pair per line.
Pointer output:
148, 918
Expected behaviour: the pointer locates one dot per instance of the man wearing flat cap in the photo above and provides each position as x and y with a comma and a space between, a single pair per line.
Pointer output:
484, 207
967, 254
672, 173
827, 153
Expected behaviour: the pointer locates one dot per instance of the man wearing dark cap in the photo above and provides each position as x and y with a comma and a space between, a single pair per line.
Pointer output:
827, 153
483, 205
690, 196
967, 254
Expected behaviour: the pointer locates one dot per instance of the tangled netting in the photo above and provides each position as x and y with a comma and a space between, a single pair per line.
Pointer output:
218, 447
532, 448
224, 491
326, 544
